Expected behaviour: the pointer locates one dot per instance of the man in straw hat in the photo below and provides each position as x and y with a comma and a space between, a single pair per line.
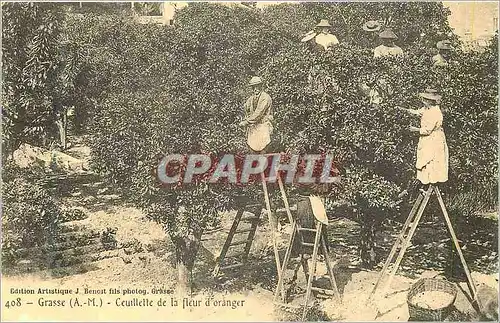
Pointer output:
324, 37
442, 58
388, 48
432, 150
258, 116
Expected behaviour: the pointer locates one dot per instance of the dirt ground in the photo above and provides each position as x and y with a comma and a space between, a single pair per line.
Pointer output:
152, 265
154, 268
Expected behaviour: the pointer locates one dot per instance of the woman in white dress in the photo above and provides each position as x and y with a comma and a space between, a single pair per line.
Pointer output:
432, 151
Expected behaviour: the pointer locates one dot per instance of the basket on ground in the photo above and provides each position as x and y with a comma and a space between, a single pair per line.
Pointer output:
431, 299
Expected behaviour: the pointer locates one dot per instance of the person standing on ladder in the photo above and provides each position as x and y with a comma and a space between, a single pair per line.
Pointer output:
432, 168
258, 117
432, 151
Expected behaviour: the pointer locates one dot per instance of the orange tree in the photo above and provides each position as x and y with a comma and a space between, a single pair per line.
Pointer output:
30, 35
164, 90
41, 72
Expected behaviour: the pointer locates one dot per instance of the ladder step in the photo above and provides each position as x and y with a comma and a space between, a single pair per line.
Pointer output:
231, 266
249, 206
322, 290
307, 244
237, 243
243, 230
235, 255
283, 210
307, 229
322, 276
249, 218
297, 307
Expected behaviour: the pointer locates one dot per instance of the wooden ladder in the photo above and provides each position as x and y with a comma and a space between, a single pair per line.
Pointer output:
235, 229
319, 246
246, 242
404, 238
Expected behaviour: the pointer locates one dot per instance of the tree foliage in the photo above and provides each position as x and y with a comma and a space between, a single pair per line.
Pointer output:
160, 90
30, 34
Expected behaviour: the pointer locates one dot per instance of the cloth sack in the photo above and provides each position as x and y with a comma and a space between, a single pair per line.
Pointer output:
259, 135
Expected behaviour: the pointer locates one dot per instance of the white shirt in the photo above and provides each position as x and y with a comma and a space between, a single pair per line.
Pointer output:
326, 40
375, 97
382, 50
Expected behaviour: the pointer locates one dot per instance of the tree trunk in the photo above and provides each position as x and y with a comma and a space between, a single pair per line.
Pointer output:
367, 235
184, 281
186, 249
62, 124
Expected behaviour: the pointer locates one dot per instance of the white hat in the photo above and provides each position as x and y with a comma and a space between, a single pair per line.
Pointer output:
310, 35
430, 94
255, 81
371, 25
323, 23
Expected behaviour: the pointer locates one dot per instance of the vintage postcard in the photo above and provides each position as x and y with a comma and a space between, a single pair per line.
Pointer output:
249, 161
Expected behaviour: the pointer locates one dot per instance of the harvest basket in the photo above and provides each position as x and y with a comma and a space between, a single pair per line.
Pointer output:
416, 309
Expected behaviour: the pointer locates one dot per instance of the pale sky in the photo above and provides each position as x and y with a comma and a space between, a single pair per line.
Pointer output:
479, 18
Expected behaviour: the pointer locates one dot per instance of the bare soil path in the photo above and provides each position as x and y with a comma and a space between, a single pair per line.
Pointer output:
142, 258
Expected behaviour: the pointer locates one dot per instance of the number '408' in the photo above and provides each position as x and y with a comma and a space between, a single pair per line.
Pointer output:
12, 303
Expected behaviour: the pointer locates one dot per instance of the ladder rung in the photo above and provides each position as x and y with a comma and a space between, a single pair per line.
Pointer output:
322, 290
307, 229
235, 255
322, 276
231, 266
249, 206
249, 218
243, 230
288, 305
308, 244
237, 243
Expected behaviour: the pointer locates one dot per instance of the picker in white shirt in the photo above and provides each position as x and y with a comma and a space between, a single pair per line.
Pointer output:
325, 38
388, 48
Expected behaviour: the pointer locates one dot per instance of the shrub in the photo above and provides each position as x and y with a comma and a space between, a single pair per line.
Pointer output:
30, 215
30, 34
185, 96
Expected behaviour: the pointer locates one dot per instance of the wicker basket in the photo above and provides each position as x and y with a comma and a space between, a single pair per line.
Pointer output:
419, 313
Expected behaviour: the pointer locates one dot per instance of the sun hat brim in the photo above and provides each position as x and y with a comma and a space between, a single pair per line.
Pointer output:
388, 34
254, 83
375, 26
430, 96
444, 45
323, 24
308, 37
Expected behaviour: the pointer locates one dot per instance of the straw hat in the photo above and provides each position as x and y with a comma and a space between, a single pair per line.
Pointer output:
444, 44
388, 34
371, 25
323, 23
310, 35
255, 81
430, 94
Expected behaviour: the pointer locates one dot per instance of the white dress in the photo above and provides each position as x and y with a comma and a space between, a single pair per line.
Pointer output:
432, 150
326, 40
